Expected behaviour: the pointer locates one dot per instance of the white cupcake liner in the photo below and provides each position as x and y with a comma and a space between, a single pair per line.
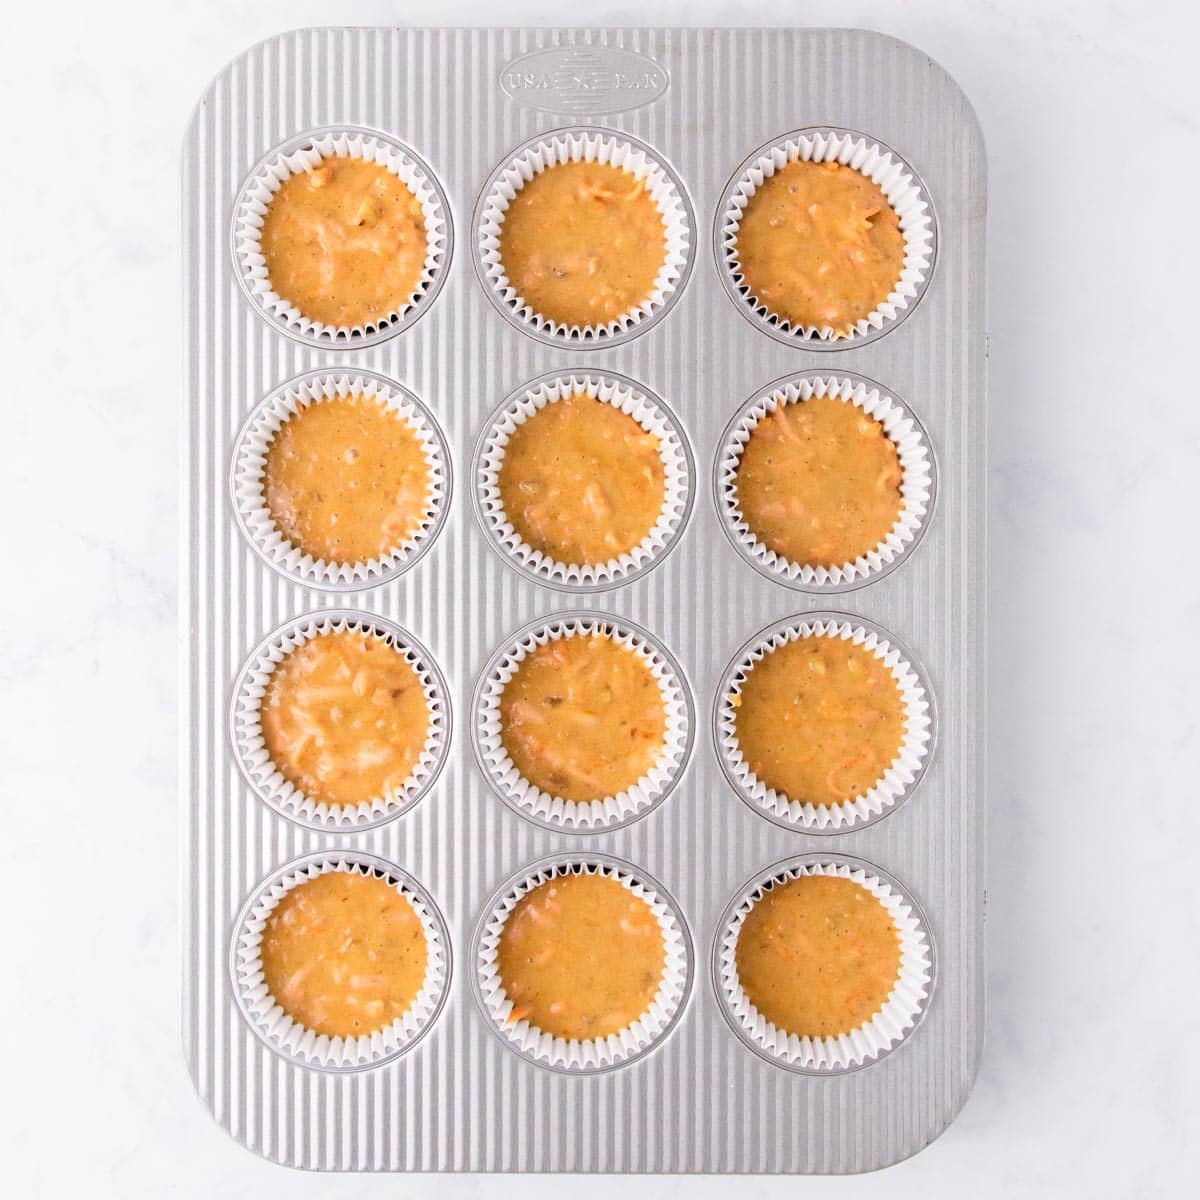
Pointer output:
303, 1046
916, 486
894, 177
590, 1055
650, 413
585, 144
255, 762
257, 522
302, 153
898, 1017
591, 816
895, 784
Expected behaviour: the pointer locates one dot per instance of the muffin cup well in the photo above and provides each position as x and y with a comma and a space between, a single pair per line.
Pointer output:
303, 152
900, 779
257, 522
303, 1046
899, 183
254, 760
917, 487
594, 1055
584, 144
650, 412
895, 1021
570, 816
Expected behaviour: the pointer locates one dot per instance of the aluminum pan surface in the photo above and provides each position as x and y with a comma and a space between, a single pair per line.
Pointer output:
702, 1101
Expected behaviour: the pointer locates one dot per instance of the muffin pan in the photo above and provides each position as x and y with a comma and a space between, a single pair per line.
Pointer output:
703, 1087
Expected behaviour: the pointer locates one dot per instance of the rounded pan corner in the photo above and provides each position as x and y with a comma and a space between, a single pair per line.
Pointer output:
255, 1151
972, 116
189, 129
960, 1103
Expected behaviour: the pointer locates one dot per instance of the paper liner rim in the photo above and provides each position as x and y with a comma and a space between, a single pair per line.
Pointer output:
261, 184
904, 191
917, 486
593, 1055
256, 520
584, 143
608, 812
894, 785
278, 1029
867, 1043
626, 396
265, 779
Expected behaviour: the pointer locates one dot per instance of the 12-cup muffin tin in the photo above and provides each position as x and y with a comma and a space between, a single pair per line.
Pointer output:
457, 112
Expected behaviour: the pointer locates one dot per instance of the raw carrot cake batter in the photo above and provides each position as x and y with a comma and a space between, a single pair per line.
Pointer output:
580, 957
820, 246
818, 482
345, 718
818, 956
582, 481
819, 719
344, 242
346, 479
582, 717
582, 243
344, 954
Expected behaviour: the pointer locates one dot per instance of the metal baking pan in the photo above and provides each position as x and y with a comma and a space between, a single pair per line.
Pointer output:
703, 100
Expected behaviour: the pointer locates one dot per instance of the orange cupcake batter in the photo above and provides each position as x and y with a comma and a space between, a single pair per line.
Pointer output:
345, 242
820, 246
582, 243
344, 954
580, 957
582, 717
582, 481
819, 720
345, 718
818, 482
346, 479
818, 956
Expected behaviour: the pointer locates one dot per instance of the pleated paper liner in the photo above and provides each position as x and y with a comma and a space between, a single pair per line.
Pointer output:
892, 1024
595, 1055
585, 144
256, 520
894, 785
899, 183
254, 760
651, 413
554, 812
301, 153
303, 1046
917, 487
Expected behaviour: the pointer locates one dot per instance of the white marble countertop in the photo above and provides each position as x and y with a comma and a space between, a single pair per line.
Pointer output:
1091, 1080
